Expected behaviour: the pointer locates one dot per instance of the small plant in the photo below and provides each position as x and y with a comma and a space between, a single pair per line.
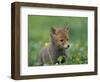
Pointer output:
60, 59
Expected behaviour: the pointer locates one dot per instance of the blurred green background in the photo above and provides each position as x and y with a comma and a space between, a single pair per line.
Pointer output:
38, 35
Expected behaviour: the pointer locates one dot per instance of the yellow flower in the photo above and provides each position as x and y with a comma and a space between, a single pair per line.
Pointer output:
46, 44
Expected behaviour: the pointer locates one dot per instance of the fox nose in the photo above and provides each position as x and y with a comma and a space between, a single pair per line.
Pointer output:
68, 46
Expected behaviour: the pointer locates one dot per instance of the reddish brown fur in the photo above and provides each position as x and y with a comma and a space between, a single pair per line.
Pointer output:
57, 47
60, 36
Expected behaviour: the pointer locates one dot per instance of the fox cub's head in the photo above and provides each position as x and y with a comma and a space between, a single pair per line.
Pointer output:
60, 37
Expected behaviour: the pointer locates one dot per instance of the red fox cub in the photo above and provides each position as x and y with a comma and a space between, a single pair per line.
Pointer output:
55, 51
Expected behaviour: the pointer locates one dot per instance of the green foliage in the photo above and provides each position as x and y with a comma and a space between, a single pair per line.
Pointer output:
77, 53
38, 35
59, 59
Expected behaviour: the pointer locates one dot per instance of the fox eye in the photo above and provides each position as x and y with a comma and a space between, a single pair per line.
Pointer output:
61, 40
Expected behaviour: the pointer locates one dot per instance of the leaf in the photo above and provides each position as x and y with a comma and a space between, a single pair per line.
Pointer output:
59, 59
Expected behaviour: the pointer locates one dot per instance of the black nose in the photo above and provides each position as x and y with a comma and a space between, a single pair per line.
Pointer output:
68, 46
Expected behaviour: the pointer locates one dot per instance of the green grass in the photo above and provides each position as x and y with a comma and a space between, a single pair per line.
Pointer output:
38, 35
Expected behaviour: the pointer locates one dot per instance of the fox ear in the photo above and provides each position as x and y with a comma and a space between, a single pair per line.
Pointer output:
53, 30
66, 28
